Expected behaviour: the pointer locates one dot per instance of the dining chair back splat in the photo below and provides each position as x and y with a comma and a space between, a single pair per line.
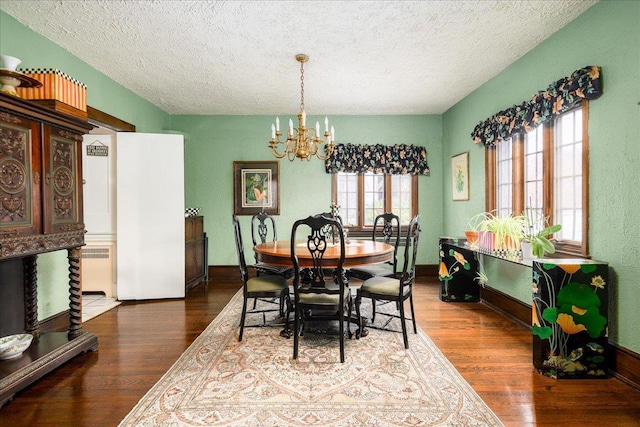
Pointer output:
317, 299
263, 229
386, 227
396, 290
270, 289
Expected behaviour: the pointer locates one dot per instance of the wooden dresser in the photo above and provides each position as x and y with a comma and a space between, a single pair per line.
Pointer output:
40, 211
195, 250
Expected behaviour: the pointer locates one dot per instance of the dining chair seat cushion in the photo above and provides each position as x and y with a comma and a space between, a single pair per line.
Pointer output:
322, 298
371, 271
383, 286
266, 284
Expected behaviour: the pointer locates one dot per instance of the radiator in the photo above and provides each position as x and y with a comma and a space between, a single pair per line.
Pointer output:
97, 270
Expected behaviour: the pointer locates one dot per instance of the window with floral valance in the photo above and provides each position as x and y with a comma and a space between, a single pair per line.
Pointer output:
558, 98
398, 159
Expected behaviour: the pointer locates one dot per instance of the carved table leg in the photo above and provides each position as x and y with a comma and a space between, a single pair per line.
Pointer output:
30, 268
75, 293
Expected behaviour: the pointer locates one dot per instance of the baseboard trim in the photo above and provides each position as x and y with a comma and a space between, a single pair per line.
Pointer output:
224, 272
231, 272
507, 305
626, 365
57, 323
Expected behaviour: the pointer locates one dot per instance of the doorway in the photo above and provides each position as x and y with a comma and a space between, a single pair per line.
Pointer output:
99, 267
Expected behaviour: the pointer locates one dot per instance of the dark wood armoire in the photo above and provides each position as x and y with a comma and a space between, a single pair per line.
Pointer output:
40, 211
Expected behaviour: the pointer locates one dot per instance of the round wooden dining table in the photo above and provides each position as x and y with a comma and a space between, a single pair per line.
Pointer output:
357, 252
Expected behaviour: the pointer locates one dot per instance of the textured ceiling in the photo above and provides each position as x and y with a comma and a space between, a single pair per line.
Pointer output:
238, 57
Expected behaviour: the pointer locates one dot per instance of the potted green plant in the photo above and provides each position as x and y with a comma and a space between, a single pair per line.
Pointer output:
537, 232
474, 227
498, 232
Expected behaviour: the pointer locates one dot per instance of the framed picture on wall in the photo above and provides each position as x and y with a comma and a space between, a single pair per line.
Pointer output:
460, 176
256, 187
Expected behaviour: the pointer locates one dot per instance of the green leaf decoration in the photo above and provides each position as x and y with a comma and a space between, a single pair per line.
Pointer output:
451, 252
550, 314
588, 268
467, 266
543, 332
578, 294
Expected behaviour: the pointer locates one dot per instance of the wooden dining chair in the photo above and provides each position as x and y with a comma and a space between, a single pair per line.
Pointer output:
386, 228
270, 289
263, 229
397, 290
317, 299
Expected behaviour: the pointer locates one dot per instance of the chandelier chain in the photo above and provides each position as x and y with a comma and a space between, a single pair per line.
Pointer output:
301, 86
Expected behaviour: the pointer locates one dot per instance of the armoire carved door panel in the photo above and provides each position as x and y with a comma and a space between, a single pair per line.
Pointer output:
62, 200
20, 208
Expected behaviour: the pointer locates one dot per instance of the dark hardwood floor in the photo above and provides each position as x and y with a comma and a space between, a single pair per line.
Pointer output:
138, 342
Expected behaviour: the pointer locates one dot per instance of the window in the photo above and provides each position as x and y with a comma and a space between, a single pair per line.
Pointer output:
362, 197
568, 175
504, 178
545, 170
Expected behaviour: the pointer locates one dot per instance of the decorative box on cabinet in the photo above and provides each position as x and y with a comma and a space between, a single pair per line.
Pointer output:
40, 211
195, 260
569, 318
458, 269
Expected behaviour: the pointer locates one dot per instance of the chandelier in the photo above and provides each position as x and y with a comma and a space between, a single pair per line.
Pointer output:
302, 142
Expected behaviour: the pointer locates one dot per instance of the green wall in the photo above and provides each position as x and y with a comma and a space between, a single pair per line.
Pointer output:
608, 35
215, 142
106, 95
102, 93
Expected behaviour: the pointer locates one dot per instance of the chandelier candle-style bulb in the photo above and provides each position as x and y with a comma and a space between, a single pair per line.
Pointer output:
303, 143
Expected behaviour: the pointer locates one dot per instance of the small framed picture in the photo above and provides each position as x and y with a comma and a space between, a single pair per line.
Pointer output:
256, 187
460, 176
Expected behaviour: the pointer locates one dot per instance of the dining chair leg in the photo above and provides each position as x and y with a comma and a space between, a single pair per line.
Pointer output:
341, 319
404, 325
358, 315
373, 310
242, 319
296, 333
349, 310
286, 332
413, 314
282, 298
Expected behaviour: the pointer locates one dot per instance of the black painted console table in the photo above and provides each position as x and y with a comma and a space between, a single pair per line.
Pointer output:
569, 306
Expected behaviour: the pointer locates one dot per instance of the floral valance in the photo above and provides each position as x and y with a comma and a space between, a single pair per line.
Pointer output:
544, 105
390, 159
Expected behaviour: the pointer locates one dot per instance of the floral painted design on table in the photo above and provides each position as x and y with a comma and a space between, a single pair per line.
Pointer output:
457, 271
569, 318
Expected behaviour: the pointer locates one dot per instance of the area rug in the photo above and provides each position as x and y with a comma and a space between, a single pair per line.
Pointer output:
219, 381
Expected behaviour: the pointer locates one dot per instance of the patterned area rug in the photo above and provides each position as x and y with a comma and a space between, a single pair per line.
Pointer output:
219, 381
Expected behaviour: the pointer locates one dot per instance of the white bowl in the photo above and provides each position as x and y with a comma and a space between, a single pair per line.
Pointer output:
9, 62
13, 346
